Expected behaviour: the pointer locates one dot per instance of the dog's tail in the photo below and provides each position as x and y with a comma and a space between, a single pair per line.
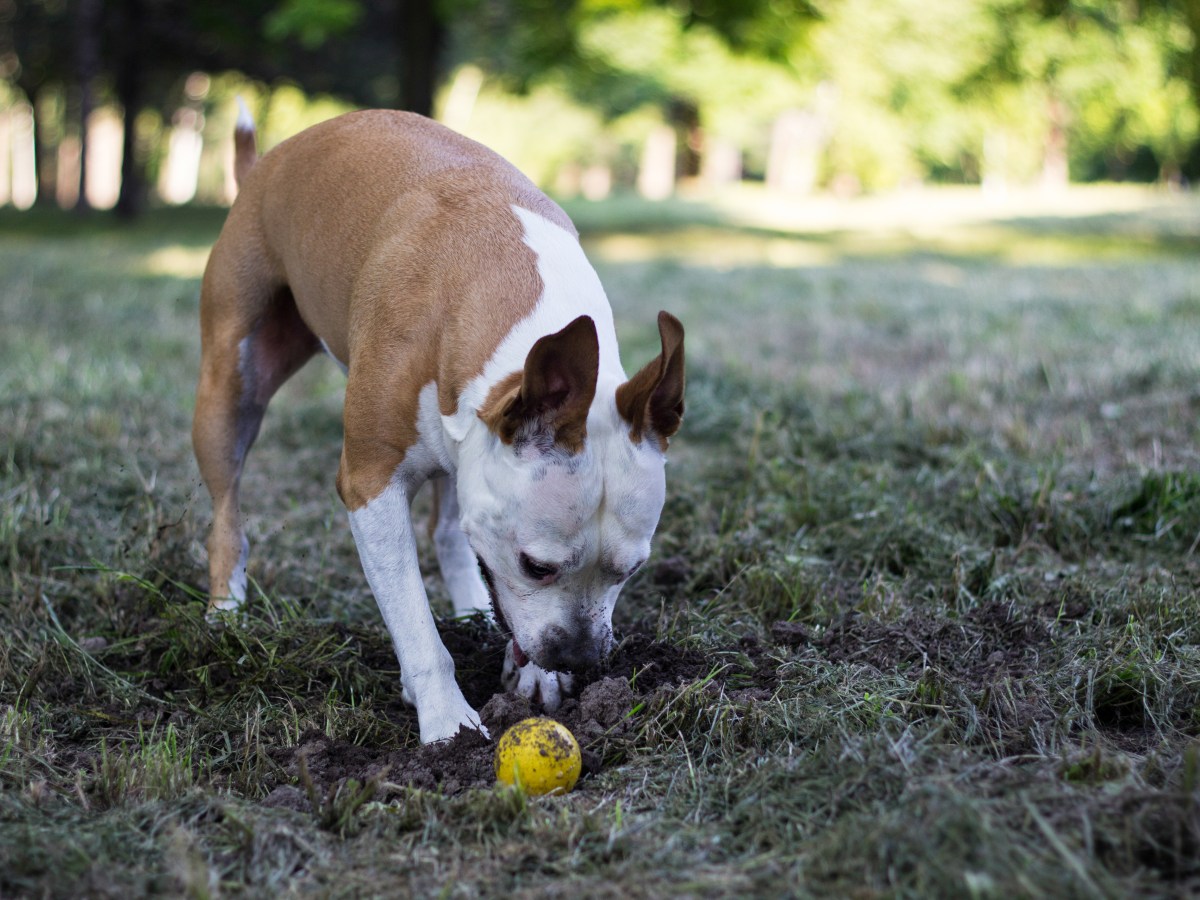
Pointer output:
245, 144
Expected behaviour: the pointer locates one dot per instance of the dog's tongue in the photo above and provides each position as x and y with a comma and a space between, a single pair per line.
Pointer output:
519, 656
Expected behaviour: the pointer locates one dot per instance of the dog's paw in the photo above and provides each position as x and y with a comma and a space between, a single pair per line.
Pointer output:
532, 681
444, 722
223, 611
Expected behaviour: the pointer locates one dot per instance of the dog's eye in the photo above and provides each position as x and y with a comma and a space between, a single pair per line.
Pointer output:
538, 571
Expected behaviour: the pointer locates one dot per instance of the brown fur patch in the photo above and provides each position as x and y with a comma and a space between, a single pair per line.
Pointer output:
652, 400
554, 391
500, 399
397, 240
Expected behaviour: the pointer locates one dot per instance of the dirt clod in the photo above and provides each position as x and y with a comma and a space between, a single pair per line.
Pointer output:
672, 571
639, 667
606, 702
503, 711
792, 634
285, 796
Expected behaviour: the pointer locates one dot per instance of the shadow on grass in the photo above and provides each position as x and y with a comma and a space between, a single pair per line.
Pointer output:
700, 230
188, 225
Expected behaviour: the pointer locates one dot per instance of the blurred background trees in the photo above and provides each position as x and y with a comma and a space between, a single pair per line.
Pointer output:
124, 102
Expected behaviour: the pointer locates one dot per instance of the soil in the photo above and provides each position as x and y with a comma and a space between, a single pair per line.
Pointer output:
987, 644
639, 667
990, 645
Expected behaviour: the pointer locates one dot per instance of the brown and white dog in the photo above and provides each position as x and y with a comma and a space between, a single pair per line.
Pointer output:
480, 353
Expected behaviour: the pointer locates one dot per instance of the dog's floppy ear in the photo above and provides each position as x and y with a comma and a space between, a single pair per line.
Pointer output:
652, 400
555, 390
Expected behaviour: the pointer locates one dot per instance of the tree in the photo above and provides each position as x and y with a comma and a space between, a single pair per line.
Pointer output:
35, 54
1105, 75
139, 51
421, 38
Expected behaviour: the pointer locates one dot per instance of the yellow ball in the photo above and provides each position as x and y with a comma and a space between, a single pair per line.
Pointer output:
539, 754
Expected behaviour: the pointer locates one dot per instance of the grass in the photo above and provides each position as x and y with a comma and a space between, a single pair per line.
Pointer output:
931, 542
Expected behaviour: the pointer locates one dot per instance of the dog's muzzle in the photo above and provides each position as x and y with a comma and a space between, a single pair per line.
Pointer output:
558, 649
577, 651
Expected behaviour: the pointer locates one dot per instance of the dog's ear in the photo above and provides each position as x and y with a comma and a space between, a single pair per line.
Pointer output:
555, 390
652, 400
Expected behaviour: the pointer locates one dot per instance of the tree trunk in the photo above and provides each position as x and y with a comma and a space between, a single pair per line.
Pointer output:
1191, 15
1055, 173
684, 116
129, 83
798, 138
419, 37
44, 158
23, 158
87, 64
656, 172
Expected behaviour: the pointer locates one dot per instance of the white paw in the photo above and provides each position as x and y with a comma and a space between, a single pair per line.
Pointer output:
534, 682
442, 721
220, 607
223, 611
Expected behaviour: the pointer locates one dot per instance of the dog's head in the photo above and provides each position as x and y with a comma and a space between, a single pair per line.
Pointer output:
561, 509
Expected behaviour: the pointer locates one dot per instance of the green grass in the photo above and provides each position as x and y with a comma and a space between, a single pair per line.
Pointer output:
932, 534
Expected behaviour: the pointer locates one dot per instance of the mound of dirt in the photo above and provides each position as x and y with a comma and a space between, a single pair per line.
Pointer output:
639, 667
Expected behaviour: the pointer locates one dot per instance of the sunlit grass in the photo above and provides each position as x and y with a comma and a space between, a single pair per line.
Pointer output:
176, 262
749, 226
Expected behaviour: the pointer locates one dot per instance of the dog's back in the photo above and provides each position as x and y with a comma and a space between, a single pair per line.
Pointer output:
387, 201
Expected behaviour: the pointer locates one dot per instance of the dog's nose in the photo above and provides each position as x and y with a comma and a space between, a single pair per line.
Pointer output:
575, 652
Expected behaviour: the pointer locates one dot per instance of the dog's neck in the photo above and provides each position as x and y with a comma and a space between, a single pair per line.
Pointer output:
570, 287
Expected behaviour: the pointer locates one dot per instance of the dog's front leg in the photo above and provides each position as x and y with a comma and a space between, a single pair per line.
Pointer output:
383, 533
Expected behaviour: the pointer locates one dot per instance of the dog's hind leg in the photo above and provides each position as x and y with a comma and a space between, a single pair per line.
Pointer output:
252, 340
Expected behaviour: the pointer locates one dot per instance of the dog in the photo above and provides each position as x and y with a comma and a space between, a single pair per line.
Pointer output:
480, 354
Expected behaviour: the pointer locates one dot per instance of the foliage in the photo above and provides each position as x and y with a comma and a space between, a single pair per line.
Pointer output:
312, 22
887, 110
1016, 91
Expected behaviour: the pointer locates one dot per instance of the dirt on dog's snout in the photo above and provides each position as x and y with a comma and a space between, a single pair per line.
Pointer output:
638, 668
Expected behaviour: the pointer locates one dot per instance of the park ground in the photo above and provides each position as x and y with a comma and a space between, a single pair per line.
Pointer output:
921, 620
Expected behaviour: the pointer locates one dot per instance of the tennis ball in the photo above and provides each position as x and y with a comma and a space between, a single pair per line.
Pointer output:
540, 755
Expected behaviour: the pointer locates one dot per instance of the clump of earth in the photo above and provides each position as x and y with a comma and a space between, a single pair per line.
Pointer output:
601, 712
